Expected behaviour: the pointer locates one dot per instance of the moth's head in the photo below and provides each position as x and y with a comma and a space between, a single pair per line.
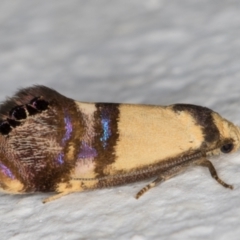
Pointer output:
229, 135
35, 126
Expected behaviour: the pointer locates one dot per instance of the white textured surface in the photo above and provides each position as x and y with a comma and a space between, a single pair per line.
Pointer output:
158, 52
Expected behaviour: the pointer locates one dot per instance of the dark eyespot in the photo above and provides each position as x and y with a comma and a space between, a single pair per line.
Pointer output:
227, 148
39, 104
31, 110
5, 128
18, 113
13, 122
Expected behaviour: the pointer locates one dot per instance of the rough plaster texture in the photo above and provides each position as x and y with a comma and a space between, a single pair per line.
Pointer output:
154, 51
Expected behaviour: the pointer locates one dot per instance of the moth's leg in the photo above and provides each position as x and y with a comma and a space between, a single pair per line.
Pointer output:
206, 163
149, 186
72, 186
161, 178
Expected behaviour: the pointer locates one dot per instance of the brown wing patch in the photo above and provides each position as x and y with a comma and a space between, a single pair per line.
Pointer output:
106, 128
203, 117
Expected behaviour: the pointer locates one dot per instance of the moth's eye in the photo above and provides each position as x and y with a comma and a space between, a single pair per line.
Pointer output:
39, 104
5, 128
18, 113
227, 148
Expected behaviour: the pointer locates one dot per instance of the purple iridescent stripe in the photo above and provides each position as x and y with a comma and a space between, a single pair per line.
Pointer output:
105, 121
60, 158
6, 171
67, 135
68, 128
87, 151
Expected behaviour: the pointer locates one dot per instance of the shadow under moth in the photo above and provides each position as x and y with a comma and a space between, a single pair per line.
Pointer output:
51, 143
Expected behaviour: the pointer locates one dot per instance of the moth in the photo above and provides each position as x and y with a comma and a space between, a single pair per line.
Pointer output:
51, 143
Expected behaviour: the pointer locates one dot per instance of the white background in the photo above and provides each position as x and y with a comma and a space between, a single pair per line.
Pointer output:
155, 51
